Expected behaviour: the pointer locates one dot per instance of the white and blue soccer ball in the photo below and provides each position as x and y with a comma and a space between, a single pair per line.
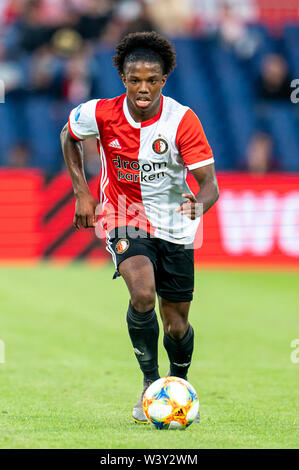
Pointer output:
171, 403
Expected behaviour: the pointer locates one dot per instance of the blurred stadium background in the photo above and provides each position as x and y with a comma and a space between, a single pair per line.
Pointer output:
236, 63
63, 330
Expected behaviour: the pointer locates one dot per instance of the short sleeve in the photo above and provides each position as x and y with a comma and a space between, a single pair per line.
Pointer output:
192, 142
82, 121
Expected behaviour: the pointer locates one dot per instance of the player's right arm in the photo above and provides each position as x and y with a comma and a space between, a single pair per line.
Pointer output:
85, 203
80, 126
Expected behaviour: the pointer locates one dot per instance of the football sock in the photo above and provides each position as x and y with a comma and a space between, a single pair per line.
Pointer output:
144, 333
179, 352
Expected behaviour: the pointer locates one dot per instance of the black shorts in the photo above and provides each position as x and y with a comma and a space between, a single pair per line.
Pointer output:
173, 263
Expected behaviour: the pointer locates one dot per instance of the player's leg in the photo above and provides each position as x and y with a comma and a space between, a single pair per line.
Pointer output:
174, 284
134, 258
178, 335
138, 273
143, 326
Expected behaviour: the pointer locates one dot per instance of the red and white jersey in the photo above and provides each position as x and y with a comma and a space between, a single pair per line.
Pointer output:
144, 164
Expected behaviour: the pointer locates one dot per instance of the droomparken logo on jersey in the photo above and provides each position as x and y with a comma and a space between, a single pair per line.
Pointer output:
147, 171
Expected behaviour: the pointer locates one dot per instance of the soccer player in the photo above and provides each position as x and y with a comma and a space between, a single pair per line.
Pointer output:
147, 142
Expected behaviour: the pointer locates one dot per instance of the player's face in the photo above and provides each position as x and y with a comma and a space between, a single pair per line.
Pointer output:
144, 82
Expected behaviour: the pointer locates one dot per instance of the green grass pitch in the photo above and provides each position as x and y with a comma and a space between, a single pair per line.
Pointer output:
70, 378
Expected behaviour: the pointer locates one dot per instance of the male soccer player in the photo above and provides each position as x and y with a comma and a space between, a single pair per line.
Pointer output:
146, 142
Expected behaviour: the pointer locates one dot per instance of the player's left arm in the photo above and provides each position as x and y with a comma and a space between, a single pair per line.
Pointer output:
207, 195
198, 157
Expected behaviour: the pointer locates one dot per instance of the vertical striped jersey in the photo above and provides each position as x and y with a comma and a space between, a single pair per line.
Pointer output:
144, 164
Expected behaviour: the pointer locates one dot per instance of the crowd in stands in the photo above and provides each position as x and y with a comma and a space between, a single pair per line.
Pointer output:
234, 72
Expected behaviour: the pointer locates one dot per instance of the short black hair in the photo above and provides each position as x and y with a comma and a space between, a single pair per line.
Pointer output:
147, 46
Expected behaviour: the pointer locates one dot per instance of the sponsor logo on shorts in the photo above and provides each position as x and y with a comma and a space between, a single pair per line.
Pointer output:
122, 246
160, 146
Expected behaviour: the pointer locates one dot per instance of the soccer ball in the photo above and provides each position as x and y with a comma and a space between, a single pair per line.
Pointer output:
170, 403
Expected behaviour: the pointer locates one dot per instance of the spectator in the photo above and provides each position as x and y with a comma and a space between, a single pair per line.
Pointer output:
33, 33
260, 159
10, 11
57, 13
66, 42
129, 16
170, 17
11, 72
78, 82
234, 32
18, 156
44, 69
231, 26
274, 80
227, 17
142, 22
95, 16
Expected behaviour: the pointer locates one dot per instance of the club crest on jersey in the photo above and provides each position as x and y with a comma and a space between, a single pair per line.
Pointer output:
160, 146
122, 246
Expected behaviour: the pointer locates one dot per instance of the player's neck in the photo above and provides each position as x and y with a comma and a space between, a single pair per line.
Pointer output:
144, 114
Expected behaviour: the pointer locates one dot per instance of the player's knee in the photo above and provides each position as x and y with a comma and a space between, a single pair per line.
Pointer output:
144, 300
176, 329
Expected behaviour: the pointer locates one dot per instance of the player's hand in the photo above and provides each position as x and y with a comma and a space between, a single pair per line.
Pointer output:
85, 212
190, 208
